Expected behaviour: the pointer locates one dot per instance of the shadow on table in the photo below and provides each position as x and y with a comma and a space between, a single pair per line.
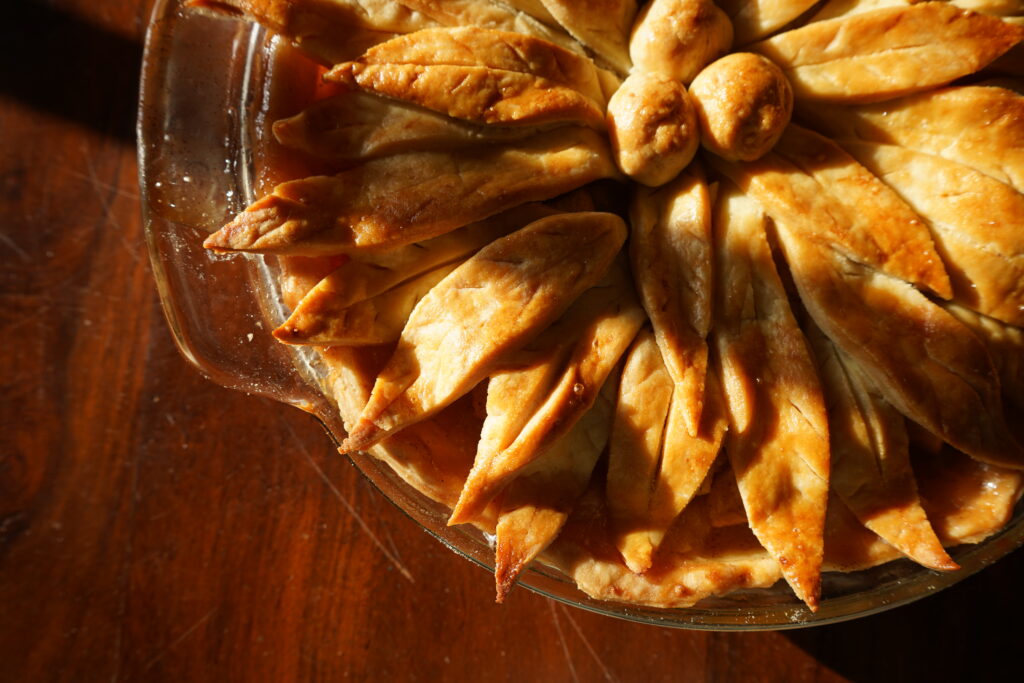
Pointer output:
971, 632
59, 64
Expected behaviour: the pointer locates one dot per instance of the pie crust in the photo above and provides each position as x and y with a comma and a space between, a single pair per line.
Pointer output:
751, 367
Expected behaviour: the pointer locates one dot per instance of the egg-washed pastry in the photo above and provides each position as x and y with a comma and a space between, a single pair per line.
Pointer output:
778, 442
517, 285
481, 75
978, 126
356, 126
890, 52
670, 251
396, 200
977, 223
536, 504
607, 320
755, 19
871, 458
800, 351
330, 31
822, 192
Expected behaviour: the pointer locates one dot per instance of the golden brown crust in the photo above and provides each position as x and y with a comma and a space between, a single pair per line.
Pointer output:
480, 75
977, 221
939, 375
607, 327
331, 297
754, 19
871, 458
537, 503
397, 200
645, 393
821, 191
331, 31
357, 126
679, 37
888, 52
652, 127
743, 104
978, 126
601, 25
670, 251
778, 442
518, 284
492, 15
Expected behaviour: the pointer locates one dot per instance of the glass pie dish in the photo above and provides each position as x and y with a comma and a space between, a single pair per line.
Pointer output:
205, 89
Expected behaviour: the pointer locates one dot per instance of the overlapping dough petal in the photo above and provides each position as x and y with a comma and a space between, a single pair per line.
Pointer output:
405, 198
888, 52
778, 443
515, 286
480, 75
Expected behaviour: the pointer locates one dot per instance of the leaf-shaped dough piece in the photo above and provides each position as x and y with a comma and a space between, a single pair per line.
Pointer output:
925, 363
820, 190
601, 25
645, 394
655, 466
754, 19
330, 31
537, 503
670, 250
1005, 343
369, 275
512, 16
492, 304
871, 459
397, 200
491, 77
357, 126
979, 126
836, 8
686, 458
613, 321
376, 320
977, 221
888, 52
778, 441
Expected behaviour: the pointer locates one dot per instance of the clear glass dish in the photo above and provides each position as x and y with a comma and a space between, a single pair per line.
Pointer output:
203, 86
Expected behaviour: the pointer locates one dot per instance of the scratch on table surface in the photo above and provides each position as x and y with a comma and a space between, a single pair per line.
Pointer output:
99, 184
586, 643
107, 203
561, 639
22, 254
402, 569
177, 641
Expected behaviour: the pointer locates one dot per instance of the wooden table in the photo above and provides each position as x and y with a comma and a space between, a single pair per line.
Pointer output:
155, 527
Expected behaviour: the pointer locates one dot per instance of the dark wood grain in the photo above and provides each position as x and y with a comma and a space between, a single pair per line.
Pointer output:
155, 527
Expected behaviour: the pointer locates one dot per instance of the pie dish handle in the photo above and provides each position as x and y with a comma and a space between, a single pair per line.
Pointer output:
194, 173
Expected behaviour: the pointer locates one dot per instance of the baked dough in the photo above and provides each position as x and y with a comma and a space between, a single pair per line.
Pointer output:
977, 221
652, 126
743, 103
670, 250
405, 198
889, 52
679, 37
871, 458
480, 75
822, 192
517, 285
778, 442
978, 126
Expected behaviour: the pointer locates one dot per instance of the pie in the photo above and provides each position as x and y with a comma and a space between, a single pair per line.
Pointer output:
678, 299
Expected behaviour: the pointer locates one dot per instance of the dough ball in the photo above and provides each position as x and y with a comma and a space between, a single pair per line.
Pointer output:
653, 128
743, 103
679, 37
